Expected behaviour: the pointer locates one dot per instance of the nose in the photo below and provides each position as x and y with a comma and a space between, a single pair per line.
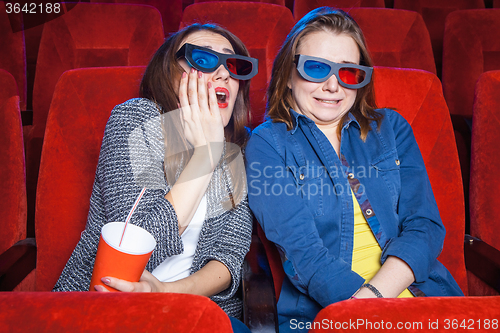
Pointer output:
221, 73
332, 84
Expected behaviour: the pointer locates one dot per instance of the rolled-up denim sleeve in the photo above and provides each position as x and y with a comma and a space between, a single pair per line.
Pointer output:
422, 232
289, 223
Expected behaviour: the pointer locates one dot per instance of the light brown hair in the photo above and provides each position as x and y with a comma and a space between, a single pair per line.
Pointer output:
279, 95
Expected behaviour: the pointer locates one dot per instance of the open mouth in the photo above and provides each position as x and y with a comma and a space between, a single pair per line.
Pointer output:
222, 97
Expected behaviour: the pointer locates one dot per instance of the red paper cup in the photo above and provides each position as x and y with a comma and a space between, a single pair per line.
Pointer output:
126, 262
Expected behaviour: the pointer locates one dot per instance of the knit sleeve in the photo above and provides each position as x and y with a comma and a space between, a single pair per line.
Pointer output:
131, 157
232, 246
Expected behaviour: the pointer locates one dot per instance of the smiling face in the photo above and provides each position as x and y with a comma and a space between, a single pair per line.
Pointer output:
225, 86
325, 102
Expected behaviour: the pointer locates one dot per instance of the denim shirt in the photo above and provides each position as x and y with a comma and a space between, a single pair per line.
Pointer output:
300, 192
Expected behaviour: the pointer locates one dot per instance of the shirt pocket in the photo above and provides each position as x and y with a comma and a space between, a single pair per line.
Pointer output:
310, 184
387, 167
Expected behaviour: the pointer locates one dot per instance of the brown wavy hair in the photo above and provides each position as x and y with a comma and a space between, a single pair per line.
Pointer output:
279, 96
159, 84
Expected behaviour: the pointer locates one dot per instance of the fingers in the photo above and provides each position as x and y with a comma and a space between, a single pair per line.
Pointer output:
118, 284
212, 101
193, 93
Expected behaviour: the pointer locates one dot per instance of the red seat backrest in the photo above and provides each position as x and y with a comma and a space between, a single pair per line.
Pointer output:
92, 35
171, 11
12, 52
434, 14
302, 7
418, 97
262, 28
274, 2
83, 100
396, 38
485, 161
12, 167
471, 47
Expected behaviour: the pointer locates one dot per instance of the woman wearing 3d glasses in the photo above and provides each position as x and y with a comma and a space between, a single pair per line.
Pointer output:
181, 141
337, 184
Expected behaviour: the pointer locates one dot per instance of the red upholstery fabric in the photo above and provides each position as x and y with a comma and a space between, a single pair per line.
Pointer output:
302, 7
485, 162
496, 3
171, 11
262, 27
83, 100
274, 2
417, 95
113, 312
434, 14
419, 98
92, 35
12, 52
396, 38
471, 47
432, 314
12, 175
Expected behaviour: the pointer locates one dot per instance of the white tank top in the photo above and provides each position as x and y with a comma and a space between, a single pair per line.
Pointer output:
178, 266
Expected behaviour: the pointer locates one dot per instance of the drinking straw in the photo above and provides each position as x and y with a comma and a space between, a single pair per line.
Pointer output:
131, 212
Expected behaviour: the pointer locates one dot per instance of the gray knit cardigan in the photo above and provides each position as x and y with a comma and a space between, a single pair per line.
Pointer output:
225, 235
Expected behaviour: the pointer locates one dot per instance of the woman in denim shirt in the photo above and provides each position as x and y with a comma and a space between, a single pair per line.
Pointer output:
327, 162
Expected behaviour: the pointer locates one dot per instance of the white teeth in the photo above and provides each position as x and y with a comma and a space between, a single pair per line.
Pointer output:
221, 96
328, 102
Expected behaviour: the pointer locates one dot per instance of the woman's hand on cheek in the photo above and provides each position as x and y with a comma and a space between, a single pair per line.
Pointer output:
201, 118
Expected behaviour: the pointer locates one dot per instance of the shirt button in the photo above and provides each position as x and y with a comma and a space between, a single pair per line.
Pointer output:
368, 211
301, 176
350, 175
397, 162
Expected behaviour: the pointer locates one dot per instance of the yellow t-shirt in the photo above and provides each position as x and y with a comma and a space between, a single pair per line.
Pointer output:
366, 252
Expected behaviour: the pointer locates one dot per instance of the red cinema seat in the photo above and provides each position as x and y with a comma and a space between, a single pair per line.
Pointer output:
92, 35
261, 26
12, 52
484, 170
171, 11
427, 314
471, 47
485, 161
113, 312
396, 38
434, 13
12, 168
274, 2
417, 95
83, 100
302, 7
87, 35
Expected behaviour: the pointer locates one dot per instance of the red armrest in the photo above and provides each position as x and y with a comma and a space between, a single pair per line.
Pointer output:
16, 263
483, 260
110, 312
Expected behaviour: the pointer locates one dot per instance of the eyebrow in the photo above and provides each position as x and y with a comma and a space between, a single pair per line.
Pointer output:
224, 49
349, 62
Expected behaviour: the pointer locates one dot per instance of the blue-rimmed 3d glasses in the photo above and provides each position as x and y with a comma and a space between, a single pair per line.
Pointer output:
316, 69
207, 60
